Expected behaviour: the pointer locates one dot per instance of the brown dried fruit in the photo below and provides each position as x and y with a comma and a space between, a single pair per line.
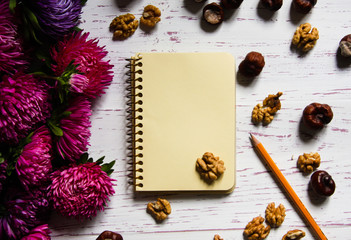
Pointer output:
294, 235
322, 183
308, 162
160, 209
304, 6
231, 4
345, 46
252, 65
255, 230
273, 5
210, 167
124, 26
151, 16
317, 115
304, 38
108, 235
213, 13
275, 216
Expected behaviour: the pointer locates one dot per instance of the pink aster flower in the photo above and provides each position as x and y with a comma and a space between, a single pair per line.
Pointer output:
79, 191
34, 164
75, 129
11, 49
24, 104
90, 60
41, 232
78, 83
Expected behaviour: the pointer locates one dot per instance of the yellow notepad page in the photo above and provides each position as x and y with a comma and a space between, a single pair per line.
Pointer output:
188, 108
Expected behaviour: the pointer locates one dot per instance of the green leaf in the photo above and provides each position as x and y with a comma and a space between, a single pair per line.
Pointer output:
55, 129
107, 167
12, 5
84, 158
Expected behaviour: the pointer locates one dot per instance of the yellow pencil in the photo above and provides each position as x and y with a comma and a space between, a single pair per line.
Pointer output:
289, 190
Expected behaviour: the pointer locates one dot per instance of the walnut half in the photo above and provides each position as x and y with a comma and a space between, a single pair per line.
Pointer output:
255, 230
308, 162
294, 235
160, 209
275, 216
210, 167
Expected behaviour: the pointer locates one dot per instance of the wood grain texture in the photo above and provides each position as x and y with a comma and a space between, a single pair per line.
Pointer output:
318, 76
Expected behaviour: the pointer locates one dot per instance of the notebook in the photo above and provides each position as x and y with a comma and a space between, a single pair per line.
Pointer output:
183, 105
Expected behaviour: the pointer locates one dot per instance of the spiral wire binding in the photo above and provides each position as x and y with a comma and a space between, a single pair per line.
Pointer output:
134, 120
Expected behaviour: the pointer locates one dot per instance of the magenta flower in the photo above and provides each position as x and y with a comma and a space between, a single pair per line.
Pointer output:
78, 83
79, 191
21, 213
56, 18
34, 164
75, 129
90, 60
24, 104
3, 174
41, 232
11, 49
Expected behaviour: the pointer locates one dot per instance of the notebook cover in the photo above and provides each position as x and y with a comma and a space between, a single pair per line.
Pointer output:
188, 108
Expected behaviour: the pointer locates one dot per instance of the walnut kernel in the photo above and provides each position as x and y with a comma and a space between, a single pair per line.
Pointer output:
210, 167
264, 112
308, 162
294, 235
275, 216
255, 230
304, 38
151, 16
124, 26
217, 237
160, 209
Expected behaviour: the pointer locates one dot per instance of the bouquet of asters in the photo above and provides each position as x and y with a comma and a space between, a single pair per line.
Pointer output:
50, 71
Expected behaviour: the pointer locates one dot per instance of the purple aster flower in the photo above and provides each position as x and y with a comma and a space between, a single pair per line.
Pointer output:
41, 232
78, 83
56, 17
23, 212
3, 175
79, 191
34, 164
89, 58
11, 50
75, 129
24, 104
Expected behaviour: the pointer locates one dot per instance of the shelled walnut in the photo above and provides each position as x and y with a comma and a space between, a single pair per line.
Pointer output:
124, 26
160, 209
294, 235
264, 112
256, 230
275, 216
217, 237
304, 38
210, 167
151, 16
308, 162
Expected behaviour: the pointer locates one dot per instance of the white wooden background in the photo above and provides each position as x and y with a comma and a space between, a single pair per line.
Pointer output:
318, 76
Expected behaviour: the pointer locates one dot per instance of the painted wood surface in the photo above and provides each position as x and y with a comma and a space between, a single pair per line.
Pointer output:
319, 76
